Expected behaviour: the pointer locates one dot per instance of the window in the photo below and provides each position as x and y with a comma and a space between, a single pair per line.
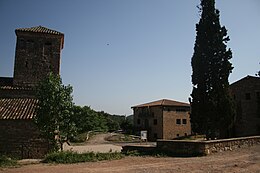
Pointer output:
185, 134
155, 135
155, 122
257, 95
180, 110
48, 43
184, 121
178, 121
138, 121
248, 96
178, 135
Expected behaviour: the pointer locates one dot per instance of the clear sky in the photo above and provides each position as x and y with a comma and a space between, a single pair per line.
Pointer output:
120, 53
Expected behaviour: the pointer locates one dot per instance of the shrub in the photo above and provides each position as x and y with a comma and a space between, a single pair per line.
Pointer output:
74, 157
7, 162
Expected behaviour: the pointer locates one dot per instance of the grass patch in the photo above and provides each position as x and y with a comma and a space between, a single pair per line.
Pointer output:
7, 162
74, 157
152, 153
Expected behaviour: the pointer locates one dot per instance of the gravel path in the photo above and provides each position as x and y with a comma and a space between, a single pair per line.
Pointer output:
95, 144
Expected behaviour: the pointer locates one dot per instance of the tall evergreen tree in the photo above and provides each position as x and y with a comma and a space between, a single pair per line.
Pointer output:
212, 110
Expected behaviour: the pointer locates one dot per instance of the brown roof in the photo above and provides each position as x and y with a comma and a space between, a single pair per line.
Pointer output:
40, 29
18, 108
163, 102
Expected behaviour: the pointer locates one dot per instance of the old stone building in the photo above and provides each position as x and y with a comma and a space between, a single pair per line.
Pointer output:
246, 93
38, 52
163, 119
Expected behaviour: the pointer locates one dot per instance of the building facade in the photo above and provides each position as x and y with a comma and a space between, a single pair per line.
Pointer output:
38, 52
163, 119
246, 94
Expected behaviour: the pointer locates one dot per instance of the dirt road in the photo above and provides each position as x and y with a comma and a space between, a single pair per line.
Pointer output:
95, 144
245, 160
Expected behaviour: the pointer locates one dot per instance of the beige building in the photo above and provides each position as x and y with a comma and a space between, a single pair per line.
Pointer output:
163, 119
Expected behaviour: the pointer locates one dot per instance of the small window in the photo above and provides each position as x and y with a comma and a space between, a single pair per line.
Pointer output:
155, 122
258, 95
184, 121
185, 134
138, 121
155, 135
48, 43
178, 121
180, 110
248, 96
178, 135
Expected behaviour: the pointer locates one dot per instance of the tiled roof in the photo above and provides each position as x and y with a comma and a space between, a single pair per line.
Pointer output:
40, 29
163, 102
18, 108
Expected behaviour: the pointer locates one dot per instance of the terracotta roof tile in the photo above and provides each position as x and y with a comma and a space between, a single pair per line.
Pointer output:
40, 29
163, 102
17, 108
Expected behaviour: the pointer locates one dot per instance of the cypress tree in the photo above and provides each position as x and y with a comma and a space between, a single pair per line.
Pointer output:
212, 111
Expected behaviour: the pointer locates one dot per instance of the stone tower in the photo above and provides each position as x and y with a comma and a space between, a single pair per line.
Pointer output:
38, 52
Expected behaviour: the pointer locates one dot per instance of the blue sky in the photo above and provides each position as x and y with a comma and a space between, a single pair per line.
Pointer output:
120, 53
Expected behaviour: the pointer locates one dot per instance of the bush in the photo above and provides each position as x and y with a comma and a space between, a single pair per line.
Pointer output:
7, 162
80, 138
74, 157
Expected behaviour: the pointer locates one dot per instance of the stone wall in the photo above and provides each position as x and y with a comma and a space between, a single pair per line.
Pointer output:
246, 94
36, 55
21, 139
171, 129
191, 148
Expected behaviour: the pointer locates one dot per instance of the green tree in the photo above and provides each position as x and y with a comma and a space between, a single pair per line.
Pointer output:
212, 111
54, 113
87, 119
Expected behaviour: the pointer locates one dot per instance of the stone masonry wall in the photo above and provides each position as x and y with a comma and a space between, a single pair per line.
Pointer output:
192, 148
246, 94
171, 129
36, 55
20, 138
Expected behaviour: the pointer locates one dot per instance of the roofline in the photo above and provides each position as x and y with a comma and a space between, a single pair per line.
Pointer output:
246, 77
55, 34
161, 104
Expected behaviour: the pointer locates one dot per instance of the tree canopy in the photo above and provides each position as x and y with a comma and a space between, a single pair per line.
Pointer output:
54, 113
212, 111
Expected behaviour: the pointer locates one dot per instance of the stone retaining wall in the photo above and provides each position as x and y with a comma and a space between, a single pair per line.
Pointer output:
181, 147
21, 139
